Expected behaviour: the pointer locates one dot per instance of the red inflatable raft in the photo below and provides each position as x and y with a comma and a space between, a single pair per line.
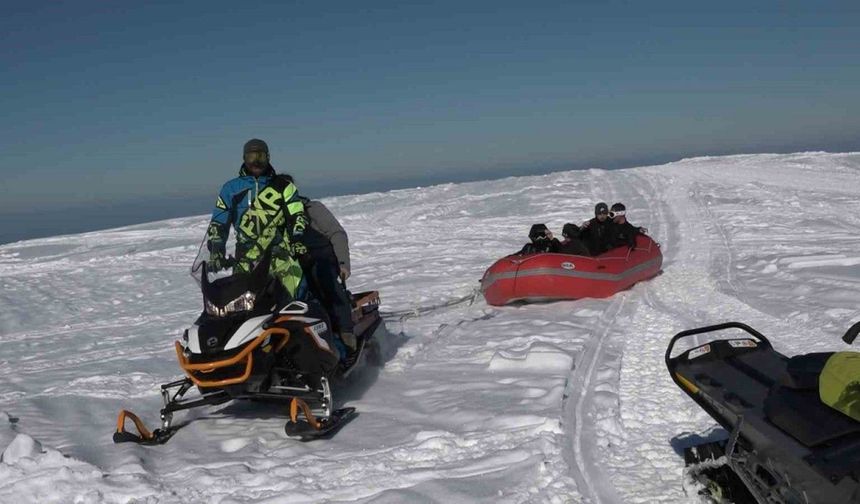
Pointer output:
542, 277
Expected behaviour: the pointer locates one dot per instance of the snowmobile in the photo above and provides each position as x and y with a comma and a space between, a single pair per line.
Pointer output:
785, 444
253, 343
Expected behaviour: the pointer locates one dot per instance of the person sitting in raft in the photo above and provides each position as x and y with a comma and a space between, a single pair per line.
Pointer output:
622, 233
596, 232
542, 241
572, 244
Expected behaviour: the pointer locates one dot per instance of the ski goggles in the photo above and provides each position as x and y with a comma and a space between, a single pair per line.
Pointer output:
619, 213
256, 158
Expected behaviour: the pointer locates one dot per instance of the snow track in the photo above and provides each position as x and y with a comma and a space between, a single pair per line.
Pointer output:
584, 385
560, 402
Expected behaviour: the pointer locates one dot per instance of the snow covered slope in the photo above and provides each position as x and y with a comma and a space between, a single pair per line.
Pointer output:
561, 402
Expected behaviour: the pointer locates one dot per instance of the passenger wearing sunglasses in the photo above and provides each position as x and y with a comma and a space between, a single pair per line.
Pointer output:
623, 233
264, 209
596, 233
541, 242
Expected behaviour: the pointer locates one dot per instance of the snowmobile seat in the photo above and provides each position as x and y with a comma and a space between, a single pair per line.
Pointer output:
766, 367
801, 414
803, 370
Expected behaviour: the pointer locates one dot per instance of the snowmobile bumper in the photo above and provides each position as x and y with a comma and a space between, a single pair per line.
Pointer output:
672, 363
242, 361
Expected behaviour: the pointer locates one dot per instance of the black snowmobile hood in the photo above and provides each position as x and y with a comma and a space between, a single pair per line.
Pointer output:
224, 290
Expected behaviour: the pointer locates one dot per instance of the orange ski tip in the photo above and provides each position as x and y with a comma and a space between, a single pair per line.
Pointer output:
138, 423
295, 405
294, 410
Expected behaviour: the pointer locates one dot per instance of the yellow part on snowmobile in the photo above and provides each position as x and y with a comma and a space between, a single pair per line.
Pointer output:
687, 384
839, 383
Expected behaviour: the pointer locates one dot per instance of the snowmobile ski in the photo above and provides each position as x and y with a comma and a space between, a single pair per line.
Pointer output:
145, 437
315, 428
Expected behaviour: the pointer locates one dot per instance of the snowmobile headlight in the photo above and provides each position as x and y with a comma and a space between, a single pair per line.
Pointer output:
245, 302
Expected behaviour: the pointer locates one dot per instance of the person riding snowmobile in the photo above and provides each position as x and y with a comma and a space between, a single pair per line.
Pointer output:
265, 210
328, 247
596, 232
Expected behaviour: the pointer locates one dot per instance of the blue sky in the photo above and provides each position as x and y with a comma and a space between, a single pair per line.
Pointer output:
106, 103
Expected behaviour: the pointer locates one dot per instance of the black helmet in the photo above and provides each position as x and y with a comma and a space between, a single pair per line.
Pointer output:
601, 208
256, 153
570, 230
538, 232
255, 145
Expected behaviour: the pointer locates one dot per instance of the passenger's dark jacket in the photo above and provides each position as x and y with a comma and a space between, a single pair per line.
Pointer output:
324, 233
328, 245
597, 235
574, 246
623, 234
540, 247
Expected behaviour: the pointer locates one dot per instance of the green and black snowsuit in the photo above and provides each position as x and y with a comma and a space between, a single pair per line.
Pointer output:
266, 212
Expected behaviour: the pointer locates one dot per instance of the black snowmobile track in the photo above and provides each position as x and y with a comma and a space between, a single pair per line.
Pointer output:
706, 465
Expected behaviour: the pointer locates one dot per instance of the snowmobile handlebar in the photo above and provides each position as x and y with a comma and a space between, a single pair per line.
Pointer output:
851, 333
713, 328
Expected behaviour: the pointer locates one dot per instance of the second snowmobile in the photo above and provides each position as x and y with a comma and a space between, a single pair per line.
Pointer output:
793, 422
251, 342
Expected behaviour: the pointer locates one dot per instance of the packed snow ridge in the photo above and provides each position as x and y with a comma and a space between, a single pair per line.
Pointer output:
560, 402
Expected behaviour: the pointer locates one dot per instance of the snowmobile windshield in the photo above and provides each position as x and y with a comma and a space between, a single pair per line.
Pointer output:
204, 256
236, 292
229, 285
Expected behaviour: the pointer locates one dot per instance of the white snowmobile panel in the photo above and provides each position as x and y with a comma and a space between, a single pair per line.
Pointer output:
193, 343
246, 332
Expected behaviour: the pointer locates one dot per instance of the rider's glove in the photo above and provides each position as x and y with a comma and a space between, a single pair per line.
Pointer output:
344, 272
299, 250
217, 262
